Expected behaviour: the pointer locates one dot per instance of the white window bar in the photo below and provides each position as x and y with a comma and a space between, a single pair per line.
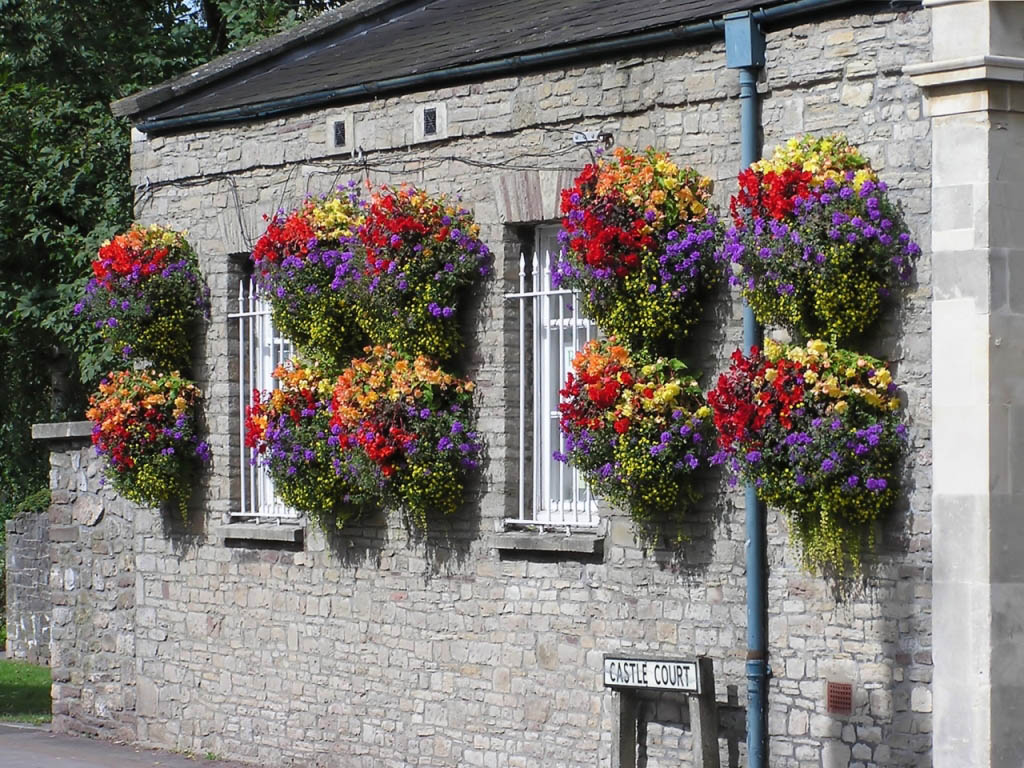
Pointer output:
551, 319
260, 351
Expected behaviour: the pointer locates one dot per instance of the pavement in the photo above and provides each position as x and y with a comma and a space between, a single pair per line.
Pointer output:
24, 746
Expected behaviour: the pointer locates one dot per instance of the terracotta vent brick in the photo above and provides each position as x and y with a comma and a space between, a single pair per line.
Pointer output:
839, 698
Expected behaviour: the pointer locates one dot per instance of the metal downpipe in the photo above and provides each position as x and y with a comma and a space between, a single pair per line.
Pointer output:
744, 42
756, 545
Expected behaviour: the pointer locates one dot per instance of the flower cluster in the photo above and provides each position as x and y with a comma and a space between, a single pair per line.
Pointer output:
145, 296
145, 426
769, 188
391, 430
636, 431
306, 265
288, 430
403, 423
817, 243
817, 430
422, 253
640, 245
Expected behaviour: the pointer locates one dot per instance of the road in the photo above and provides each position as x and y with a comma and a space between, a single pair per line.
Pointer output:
28, 747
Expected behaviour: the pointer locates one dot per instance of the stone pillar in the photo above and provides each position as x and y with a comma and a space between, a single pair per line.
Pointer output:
93, 590
974, 93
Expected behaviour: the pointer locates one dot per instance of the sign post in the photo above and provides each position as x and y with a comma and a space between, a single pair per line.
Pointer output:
695, 678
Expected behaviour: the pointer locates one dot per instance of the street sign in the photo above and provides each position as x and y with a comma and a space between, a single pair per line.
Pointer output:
661, 674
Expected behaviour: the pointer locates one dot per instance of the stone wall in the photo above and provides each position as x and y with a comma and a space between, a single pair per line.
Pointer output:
377, 648
93, 584
27, 562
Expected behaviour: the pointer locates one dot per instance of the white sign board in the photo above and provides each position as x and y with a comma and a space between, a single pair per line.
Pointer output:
663, 674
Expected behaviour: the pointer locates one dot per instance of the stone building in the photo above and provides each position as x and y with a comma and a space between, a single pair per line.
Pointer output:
481, 643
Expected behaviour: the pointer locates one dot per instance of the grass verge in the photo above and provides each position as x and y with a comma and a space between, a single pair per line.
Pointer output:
24, 692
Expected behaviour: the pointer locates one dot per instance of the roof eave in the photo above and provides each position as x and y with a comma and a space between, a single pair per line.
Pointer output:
436, 78
224, 66
696, 30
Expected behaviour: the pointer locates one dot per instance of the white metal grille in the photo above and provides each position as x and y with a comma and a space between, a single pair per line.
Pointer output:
260, 351
551, 330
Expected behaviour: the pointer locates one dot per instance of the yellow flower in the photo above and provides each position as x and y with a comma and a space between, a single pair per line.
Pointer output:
772, 349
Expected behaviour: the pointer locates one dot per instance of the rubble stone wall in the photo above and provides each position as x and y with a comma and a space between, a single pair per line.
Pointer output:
27, 564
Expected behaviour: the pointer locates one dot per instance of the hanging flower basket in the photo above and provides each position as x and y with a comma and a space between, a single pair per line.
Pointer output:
817, 243
640, 241
145, 426
146, 295
817, 430
403, 428
423, 253
289, 431
307, 265
637, 431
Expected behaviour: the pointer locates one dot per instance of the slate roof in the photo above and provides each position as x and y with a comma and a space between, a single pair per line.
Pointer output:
369, 41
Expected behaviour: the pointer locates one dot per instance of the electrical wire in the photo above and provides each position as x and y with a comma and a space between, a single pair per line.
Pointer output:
393, 162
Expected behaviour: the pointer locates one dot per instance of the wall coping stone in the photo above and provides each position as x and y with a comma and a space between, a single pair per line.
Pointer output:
61, 430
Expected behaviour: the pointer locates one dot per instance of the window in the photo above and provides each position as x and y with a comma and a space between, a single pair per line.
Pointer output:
260, 351
551, 330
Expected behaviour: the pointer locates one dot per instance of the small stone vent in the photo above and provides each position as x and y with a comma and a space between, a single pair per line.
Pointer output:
340, 133
430, 122
839, 698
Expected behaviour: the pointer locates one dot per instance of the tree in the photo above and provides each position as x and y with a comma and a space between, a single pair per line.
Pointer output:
64, 179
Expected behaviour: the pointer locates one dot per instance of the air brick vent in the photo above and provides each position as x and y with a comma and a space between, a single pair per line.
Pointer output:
839, 698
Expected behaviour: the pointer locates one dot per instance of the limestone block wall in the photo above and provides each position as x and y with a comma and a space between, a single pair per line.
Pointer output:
27, 557
374, 647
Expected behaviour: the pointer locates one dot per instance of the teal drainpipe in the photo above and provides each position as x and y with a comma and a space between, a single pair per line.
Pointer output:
744, 50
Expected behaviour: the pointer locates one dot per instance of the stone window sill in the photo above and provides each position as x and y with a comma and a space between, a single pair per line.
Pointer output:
258, 534
549, 542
